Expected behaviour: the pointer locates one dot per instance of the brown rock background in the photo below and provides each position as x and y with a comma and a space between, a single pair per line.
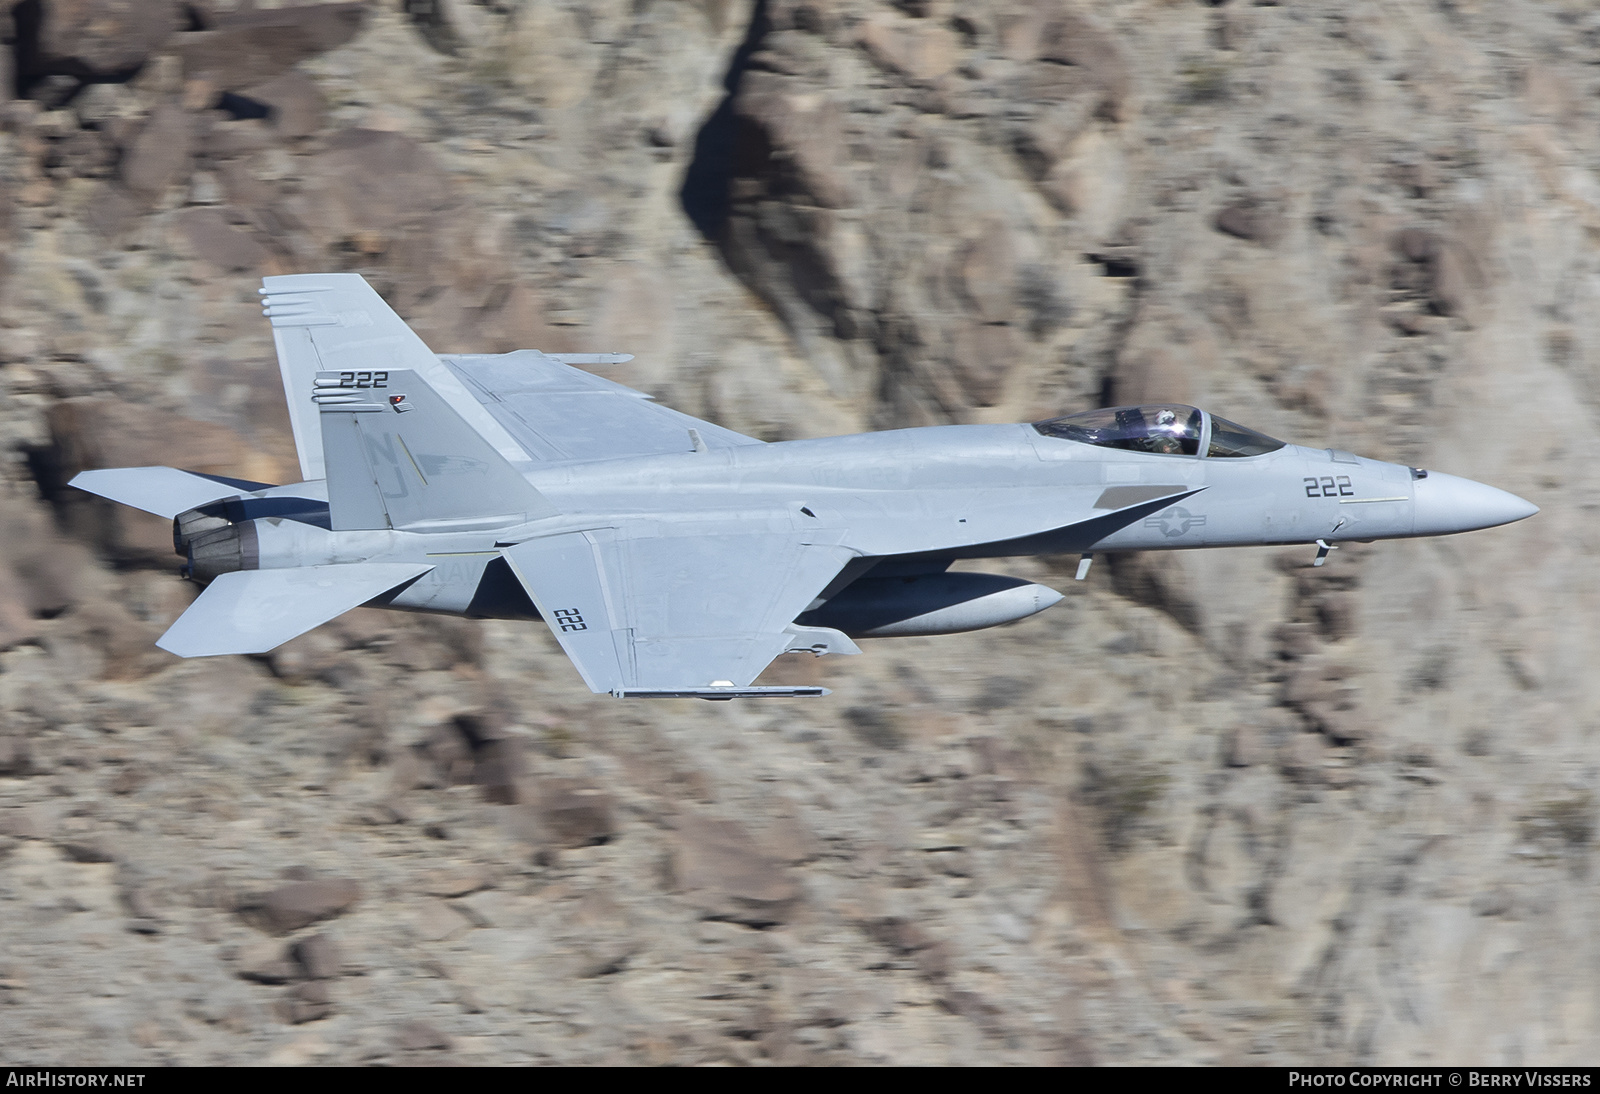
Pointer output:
1214, 807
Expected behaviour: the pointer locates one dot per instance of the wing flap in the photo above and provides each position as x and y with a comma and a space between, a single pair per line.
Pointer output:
563, 577
253, 611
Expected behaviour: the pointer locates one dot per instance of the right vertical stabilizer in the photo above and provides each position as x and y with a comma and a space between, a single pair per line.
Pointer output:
398, 456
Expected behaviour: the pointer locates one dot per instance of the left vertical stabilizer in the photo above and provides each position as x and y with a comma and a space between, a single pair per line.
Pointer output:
338, 323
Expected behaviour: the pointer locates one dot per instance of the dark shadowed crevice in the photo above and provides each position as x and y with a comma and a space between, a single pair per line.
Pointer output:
25, 20
1114, 265
1108, 390
55, 81
47, 467
706, 184
242, 107
433, 23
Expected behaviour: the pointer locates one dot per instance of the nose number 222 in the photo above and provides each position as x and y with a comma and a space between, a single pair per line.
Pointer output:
1329, 487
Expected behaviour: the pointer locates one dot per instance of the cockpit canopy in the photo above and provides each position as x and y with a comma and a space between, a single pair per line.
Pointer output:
1166, 429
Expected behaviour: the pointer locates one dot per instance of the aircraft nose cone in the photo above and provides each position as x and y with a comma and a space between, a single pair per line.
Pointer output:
1447, 504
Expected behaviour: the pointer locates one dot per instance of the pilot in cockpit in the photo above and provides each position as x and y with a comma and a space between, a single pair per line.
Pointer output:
1164, 434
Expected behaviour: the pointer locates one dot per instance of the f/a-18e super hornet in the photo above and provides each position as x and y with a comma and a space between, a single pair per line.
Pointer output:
672, 557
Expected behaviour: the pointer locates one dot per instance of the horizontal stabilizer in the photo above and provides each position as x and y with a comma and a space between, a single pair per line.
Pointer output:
253, 611
164, 491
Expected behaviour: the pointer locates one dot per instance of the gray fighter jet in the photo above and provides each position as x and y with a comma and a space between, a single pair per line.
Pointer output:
672, 557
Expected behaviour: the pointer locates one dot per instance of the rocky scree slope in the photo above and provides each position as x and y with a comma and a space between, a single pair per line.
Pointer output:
1211, 808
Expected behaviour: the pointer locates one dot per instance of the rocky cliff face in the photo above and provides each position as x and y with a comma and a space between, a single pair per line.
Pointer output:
1214, 807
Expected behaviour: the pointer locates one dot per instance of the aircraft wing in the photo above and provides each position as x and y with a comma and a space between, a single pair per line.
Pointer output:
557, 412
693, 609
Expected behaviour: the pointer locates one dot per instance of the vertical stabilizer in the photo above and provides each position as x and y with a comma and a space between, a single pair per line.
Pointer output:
338, 323
398, 456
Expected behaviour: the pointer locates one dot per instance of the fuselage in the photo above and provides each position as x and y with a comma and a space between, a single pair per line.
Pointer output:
944, 492
1005, 490
673, 557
